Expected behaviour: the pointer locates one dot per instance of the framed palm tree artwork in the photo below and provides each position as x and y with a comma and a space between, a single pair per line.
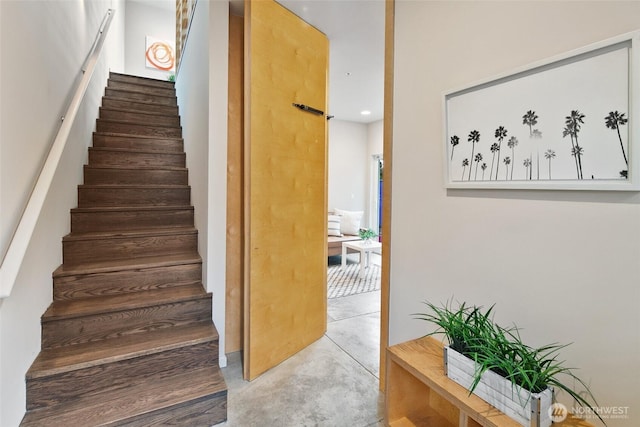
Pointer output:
564, 123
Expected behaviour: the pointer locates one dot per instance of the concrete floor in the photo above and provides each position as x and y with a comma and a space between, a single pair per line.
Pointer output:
333, 382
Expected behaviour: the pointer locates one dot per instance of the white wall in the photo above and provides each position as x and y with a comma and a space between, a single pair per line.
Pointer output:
562, 265
147, 19
348, 166
201, 85
375, 138
43, 45
218, 121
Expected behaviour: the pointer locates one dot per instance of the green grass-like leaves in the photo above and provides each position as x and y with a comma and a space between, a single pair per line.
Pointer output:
472, 332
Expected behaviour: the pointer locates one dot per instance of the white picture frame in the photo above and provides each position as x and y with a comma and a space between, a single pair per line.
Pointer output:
565, 123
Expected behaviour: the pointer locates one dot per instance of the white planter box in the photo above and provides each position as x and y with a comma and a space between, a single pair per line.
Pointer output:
528, 409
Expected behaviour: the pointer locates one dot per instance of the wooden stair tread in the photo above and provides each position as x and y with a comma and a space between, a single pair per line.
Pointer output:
64, 359
125, 234
142, 398
125, 122
127, 264
129, 135
141, 91
134, 186
132, 208
141, 80
112, 303
137, 151
136, 101
138, 111
136, 168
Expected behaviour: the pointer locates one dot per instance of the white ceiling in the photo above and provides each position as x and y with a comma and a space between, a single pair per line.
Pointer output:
355, 29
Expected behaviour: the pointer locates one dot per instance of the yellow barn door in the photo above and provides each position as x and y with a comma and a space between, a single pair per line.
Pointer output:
286, 63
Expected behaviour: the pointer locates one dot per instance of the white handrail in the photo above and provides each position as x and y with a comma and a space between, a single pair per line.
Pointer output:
12, 260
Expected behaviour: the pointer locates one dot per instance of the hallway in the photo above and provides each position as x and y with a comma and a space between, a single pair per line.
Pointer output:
333, 382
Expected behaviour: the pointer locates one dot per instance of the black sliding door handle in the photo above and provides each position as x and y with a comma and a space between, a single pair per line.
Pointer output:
309, 109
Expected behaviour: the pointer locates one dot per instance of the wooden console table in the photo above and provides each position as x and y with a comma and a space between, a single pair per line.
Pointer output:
419, 394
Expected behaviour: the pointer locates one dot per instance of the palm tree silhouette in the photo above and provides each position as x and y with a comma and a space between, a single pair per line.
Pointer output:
549, 154
494, 148
513, 141
576, 152
484, 168
500, 133
465, 163
567, 131
474, 136
527, 165
573, 122
613, 121
530, 119
507, 162
536, 134
454, 141
477, 159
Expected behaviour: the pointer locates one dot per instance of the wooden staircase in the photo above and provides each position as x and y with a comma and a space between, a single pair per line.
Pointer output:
128, 339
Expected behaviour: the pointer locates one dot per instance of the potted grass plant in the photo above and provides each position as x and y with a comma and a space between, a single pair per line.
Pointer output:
367, 234
494, 363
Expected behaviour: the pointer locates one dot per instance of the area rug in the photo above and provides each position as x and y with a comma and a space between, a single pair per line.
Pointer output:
342, 282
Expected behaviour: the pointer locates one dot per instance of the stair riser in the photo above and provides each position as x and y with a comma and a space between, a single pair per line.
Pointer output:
207, 411
107, 176
81, 251
135, 87
140, 118
137, 143
82, 222
119, 104
141, 81
60, 332
114, 376
133, 129
93, 196
140, 97
135, 159
121, 282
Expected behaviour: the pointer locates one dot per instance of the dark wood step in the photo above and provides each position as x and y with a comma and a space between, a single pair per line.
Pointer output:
195, 398
136, 158
137, 142
138, 117
119, 277
147, 107
68, 373
133, 195
130, 218
139, 80
141, 175
99, 318
107, 266
137, 87
60, 360
137, 96
103, 125
79, 248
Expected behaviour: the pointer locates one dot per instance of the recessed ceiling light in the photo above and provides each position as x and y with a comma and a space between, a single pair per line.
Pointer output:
365, 112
